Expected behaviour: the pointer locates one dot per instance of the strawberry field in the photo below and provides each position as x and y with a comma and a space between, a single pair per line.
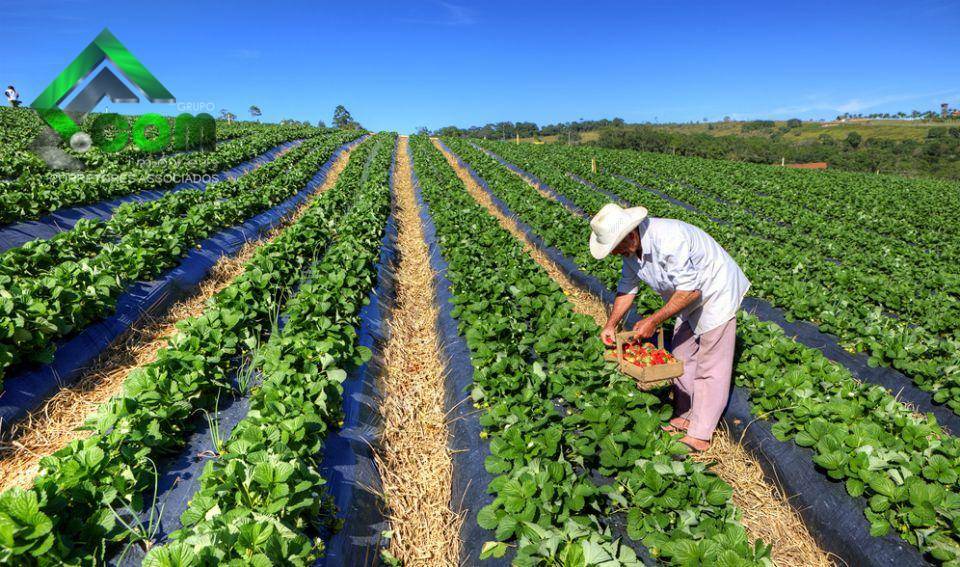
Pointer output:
331, 347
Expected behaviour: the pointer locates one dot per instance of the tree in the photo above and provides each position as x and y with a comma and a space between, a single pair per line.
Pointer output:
423, 131
255, 111
853, 140
343, 120
794, 123
227, 115
321, 124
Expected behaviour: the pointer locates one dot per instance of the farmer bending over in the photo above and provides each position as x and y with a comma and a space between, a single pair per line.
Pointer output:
701, 285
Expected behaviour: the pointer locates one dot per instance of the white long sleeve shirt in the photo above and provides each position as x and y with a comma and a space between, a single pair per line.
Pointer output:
680, 257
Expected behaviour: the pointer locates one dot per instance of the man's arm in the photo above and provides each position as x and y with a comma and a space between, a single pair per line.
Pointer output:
677, 303
620, 307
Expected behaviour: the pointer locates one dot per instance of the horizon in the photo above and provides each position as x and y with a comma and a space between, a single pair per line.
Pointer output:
435, 63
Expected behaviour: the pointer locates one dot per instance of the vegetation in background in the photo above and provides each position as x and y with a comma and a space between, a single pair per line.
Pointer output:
927, 144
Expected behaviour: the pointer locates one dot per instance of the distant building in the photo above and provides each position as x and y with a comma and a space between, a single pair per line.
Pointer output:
816, 165
943, 110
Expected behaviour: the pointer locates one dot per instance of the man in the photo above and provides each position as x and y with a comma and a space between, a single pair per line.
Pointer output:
12, 96
701, 285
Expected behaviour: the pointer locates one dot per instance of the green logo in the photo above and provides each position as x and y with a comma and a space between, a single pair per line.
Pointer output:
111, 132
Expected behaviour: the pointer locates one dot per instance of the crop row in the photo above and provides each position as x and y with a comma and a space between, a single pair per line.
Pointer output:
17, 127
36, 194
86, 495
38, 310
782, 276
915, 284
96, 160
84, 240
871, 202
559, 418
904, 465
266, 479
781, 200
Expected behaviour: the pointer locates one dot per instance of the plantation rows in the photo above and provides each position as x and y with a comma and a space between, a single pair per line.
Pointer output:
905, 315
580, 471
19, 127
556, 413
905, 464
55, 287
264, 485
31, 196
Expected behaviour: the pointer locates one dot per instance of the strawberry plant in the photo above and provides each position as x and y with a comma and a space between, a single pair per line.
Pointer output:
271, 481
73, 294
34, 194
904, 465
901, 309
84, 489
568, 433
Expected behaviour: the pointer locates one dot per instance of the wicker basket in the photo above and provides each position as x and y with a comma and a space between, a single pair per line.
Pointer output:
647, 377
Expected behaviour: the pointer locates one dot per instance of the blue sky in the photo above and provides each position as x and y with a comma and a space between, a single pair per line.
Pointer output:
401, 65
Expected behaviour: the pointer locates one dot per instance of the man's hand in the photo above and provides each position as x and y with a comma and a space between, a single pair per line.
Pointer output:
646, 327
609, 335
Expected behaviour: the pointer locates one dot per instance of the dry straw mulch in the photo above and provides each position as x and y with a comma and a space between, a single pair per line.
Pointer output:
413, 456
54, 425
766, 513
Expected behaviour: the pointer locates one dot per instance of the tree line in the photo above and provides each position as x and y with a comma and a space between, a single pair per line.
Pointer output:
937, 155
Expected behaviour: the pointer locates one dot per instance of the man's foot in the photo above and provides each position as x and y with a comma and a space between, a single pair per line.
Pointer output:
697, 445
677, 425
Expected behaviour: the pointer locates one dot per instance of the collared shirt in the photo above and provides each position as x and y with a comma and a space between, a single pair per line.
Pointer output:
680, 257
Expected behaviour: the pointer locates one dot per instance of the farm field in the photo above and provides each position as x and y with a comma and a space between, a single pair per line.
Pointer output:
894, 130
337, 347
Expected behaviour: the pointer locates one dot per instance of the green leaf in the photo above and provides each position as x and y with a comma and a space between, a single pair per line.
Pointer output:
487, 517
494, 549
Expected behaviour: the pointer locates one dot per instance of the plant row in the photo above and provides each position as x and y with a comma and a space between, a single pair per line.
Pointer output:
95, 159
18, 127
915, 284
904, 465
869, 202
33, 195
86, 496
84, 240
783, 277
37, 311
573, 442
265, 481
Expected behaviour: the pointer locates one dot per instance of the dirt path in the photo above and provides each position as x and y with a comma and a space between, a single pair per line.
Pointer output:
414, 460
766, 513
54, 425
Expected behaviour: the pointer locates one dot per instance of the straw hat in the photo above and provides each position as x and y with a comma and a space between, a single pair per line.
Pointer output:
611, 225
